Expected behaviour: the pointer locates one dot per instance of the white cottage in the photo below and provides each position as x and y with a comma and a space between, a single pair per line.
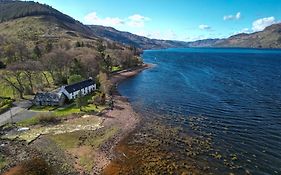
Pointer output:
72, 91
65, 93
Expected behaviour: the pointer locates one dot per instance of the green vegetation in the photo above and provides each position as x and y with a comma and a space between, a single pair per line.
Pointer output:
16, 9
42, 119
5, 104
6, 91
116, 68
83, 138
73, 109
74, 79
43, 108
3, 161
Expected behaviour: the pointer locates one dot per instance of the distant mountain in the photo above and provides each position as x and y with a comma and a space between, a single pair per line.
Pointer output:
270, 37
132, 39
205, 43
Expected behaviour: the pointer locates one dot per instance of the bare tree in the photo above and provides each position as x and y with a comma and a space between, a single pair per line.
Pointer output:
14, 78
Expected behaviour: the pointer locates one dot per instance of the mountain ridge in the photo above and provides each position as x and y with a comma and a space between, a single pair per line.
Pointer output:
12, 10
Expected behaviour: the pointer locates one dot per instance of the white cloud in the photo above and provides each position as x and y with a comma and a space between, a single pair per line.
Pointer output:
137, 20
260, 24
204, 27
232, 17
92, 18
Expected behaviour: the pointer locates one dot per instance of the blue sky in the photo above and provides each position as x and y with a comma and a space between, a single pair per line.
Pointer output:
185, 20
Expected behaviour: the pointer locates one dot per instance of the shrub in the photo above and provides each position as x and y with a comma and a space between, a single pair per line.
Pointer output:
47, 119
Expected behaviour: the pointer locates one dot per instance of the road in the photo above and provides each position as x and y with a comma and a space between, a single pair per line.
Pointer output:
19, 112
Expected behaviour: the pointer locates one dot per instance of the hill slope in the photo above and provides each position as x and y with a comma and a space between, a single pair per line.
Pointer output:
132, 39
270, 37
19, 10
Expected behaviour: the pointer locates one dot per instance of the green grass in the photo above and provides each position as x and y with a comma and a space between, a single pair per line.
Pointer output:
3, 161
42, 108
29, 122
73, 109
6, 91
5, 104
90, 138
116, 68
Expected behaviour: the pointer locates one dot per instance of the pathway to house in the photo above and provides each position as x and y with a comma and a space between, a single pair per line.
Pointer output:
19, 112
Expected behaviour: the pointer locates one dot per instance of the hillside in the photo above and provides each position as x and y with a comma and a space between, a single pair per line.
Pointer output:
17, 9
30, 20
132, 39
270, 37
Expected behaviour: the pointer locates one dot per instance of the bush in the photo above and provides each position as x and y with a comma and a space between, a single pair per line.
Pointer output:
5, 104
46, 119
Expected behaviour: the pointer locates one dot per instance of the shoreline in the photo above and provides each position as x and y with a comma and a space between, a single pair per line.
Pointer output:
122, 116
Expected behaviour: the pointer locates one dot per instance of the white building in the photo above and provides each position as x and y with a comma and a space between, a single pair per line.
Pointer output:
72, 91
65, 93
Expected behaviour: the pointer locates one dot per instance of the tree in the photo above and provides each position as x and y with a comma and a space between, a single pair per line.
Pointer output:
37, 52
14, 78
2, 65
80, 101
57, 63
74, 79
76, 67
49, 47
105, 83
77, 44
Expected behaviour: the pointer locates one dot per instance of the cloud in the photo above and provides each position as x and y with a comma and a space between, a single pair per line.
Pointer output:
262, 23
92, 18
137, 20
232, 17
204, 27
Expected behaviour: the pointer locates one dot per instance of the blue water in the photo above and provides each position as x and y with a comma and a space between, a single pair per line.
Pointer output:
236, 92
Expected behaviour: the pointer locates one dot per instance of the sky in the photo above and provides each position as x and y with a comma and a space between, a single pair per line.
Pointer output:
185, 20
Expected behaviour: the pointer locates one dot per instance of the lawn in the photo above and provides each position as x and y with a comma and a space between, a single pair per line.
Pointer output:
42, 108
5, 104
6, 91
116, 68
73, 109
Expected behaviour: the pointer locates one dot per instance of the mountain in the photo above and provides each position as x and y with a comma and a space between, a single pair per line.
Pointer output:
270, 37
33, 22
205, 43
38, 20
132, 39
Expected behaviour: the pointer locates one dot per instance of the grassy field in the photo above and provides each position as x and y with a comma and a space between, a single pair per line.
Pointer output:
5, 104
83, 144
62, 111
116, 68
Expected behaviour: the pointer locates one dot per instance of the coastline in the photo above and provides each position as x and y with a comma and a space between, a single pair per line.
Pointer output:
122, 116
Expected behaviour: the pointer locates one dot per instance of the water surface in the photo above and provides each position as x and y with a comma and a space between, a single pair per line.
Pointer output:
207, 111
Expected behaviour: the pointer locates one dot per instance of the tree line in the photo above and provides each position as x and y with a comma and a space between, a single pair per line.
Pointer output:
29, 69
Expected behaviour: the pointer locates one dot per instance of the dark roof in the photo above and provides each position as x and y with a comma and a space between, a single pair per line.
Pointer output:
47, 96
78, 86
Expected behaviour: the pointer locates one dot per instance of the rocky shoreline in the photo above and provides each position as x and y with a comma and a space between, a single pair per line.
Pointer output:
122, 115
